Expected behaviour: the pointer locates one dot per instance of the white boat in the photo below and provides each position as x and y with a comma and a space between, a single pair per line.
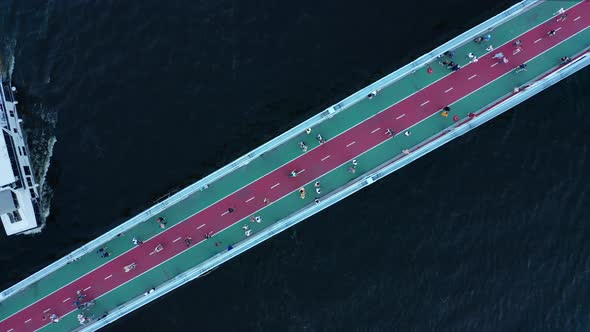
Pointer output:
19, 193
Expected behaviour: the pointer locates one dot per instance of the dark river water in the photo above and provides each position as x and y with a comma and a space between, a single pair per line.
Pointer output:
488, 233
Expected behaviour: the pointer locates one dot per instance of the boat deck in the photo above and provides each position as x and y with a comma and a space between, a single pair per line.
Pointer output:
411, 107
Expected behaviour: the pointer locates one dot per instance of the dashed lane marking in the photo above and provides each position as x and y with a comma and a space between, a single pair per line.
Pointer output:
326, 157
449, 89
249, 199
46, 310
110, 275
577, 18
538, 40
495, 64
203, 225
224, 213
375, 130
28, 320
472, 76
401, 116
66, 300
275, 185
424, 103
351, 143
87, 288
176, 240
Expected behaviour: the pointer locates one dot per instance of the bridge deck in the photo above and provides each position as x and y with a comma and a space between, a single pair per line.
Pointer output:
412, 104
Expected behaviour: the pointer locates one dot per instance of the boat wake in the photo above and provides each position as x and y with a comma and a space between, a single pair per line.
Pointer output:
39, 127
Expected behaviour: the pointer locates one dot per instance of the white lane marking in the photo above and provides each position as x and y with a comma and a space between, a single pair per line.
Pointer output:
176, 240
516, 51
351, 143
424, 103
301, 171
224, 213
28, 320
66, 300
275, 185
401, 116
494, 65
557, 29
470, 77
375, 130
110, 275
538, 40
326, 157
577, 18
449, 89
46, 310
87, 288
203, 225
249, 199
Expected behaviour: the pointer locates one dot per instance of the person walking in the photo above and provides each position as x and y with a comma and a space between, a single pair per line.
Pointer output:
521, 67
161, 222
129, 267
302, 193
320, 139
303, 146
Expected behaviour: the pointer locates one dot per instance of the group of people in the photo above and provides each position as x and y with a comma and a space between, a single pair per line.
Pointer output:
247, 230
303, 146
82, 319
451, 65
481, 39
82, 305
103, 252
